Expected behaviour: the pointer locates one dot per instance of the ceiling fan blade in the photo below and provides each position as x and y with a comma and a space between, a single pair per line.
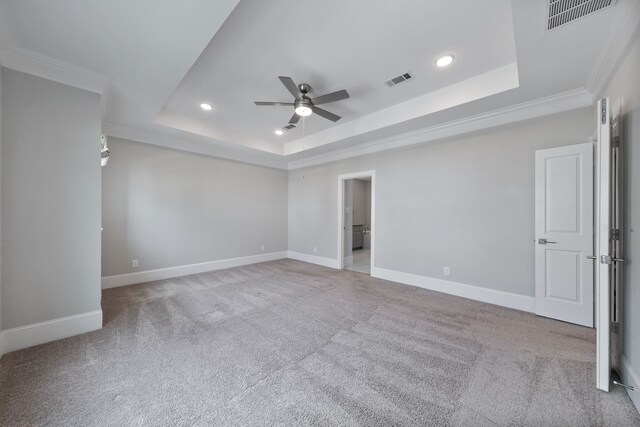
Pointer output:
325, 114
331, 97
283, 104
291, 87
294, 119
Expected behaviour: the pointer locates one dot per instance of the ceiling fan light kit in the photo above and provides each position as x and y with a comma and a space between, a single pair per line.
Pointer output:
305, 106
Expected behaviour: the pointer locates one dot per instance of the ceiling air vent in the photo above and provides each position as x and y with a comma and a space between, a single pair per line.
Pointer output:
401, 78
289, 127
564, 11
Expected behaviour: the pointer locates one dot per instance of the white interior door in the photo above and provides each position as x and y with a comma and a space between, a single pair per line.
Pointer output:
564, 233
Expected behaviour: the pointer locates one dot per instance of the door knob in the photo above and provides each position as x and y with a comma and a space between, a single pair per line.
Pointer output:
592, 257
545, 241
617, 259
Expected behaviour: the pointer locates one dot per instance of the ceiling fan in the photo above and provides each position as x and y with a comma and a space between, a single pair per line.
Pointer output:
305, 106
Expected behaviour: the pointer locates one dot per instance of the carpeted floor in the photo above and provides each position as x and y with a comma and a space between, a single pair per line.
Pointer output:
289, 343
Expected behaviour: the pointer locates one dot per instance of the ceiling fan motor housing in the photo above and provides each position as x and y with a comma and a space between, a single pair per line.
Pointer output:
304, 102
304, 88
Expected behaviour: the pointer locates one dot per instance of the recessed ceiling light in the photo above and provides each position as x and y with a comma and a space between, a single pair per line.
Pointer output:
444, 60
206, 107
279, 132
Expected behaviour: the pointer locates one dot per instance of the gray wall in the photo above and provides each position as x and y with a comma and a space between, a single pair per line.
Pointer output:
348, 221
50, 200
467, 203
625, 84
359, 201
169, 208
367, 221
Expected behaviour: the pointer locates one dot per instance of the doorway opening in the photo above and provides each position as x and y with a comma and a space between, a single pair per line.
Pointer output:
356, 220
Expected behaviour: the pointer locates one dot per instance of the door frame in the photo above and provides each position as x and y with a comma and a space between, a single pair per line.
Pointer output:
341, 179
602, 230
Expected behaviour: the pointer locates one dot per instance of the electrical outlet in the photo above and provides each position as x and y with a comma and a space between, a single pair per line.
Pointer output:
315, 249
447, 271
135, 263
262, 248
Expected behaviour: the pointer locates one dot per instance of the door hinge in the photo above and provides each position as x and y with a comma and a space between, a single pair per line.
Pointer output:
615, 234
615, 142
604, 111
615, 327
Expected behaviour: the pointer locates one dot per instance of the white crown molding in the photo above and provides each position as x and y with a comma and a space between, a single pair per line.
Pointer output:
491, 296
553, 104
615, 46
43, 332
540, 107
185, 270
198, 145
472, 89
48, 68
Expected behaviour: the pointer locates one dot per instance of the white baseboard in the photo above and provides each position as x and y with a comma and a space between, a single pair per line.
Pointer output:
39, 333
491, 296
630, 377
313, 259
185, 270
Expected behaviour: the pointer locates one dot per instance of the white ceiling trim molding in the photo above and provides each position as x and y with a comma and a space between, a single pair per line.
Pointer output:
553, 104
617, 44
192, 145
51, 69
472, 89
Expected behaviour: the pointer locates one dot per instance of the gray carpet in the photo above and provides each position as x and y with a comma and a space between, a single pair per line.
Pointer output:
289, 343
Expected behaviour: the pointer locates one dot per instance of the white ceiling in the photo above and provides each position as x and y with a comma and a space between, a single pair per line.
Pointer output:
144, 46
331, 45
161, 59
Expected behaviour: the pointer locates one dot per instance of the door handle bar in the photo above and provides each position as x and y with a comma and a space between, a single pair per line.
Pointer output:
612, 259
543, 241
606, 259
